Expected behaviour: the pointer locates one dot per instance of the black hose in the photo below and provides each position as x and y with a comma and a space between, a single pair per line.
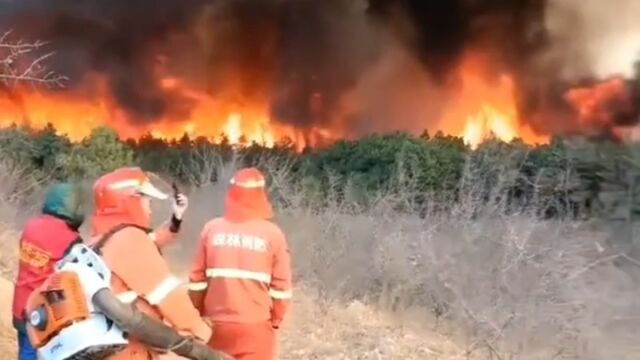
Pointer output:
150, 331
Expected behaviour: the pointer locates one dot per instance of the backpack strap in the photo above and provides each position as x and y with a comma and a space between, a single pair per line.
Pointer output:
97, 247
78, 240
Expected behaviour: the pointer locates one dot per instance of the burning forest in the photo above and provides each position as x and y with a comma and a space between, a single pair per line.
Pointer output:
317, 71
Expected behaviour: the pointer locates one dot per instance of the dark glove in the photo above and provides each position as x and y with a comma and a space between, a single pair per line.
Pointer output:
175, 225
180, 204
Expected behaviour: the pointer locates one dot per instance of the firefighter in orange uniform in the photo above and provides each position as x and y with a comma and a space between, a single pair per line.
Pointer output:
241, 276
141, 275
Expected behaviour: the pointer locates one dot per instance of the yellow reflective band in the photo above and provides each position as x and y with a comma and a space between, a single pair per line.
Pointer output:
157, 295
280, 295
248, 184
127, 297
198, 286
239, 274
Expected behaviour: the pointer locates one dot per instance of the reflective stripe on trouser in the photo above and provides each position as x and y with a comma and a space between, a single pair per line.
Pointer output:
280, 295
245, 341
262, 277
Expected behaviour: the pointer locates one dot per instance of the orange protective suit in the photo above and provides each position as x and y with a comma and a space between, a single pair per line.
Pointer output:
241, 274
141, 275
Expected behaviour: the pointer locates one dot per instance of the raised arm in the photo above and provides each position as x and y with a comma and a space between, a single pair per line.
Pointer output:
167, 233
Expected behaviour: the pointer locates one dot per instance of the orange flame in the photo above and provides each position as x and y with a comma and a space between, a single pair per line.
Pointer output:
483, 108
76, 115
487, 121
598, 105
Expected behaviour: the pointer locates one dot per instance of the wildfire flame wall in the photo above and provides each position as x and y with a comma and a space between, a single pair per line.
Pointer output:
318, 70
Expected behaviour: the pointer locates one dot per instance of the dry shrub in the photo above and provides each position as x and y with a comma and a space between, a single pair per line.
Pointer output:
8, 343
20, 195
507, 286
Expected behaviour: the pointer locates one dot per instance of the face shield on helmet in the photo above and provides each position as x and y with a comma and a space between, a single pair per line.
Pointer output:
124, 195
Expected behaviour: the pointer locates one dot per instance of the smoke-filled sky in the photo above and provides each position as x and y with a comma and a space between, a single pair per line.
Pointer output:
602, 36
371, 61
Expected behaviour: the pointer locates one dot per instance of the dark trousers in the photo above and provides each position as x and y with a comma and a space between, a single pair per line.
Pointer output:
25, 350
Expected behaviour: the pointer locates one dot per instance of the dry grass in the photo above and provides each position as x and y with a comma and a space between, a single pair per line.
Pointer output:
8, 343
501, 286
7, 335
20, 195
473, 283
506, 288
356, 331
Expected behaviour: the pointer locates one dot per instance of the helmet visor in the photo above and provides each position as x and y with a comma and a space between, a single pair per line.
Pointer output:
148, 189
149, 185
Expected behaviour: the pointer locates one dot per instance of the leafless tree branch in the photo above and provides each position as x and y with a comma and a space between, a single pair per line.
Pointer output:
20, 62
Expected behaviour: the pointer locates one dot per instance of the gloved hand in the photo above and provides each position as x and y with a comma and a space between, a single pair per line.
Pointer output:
180, 204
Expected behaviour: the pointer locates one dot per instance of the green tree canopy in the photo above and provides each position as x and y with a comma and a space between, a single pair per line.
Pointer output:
101, 152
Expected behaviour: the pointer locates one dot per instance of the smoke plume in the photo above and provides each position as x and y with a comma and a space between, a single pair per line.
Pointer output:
597, 38
359, 65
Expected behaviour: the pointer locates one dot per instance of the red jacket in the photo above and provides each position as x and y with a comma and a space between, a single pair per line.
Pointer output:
44, 241
243, 271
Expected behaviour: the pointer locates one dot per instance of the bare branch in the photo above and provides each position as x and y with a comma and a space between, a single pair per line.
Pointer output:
20, 63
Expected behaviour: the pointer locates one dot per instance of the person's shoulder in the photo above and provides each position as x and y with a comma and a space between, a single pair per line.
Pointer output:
38, 220
32, 227
133, 233
130, 238
272, 229
32, 223
215, 222
46, 224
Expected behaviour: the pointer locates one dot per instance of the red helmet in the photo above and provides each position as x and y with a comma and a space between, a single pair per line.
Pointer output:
117, 197
247, 197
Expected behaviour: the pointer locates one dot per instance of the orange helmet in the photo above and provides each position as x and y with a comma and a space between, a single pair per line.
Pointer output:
247, 197
117, 197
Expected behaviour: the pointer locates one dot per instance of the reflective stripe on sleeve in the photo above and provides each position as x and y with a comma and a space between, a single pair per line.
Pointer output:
197, 286
280, 295
157, 295
238, 274
127, 297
